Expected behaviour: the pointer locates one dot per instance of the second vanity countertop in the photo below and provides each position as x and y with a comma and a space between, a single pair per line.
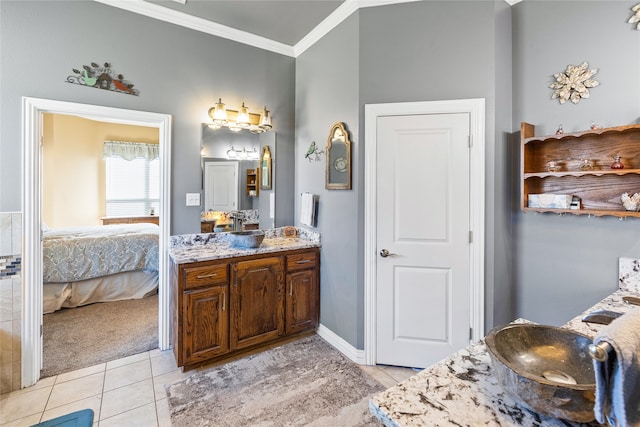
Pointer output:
189, 248
462, 389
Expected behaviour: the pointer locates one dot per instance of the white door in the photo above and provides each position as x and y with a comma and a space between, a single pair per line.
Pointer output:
423, 289
221, 186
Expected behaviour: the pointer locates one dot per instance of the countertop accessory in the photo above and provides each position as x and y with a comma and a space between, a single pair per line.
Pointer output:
246, 239
545, 368
602, 317
289, 231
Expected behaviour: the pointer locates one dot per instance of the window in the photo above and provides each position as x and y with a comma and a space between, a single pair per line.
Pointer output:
133, 186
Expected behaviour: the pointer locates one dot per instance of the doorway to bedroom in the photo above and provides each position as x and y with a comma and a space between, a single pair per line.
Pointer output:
100, 241
34, 191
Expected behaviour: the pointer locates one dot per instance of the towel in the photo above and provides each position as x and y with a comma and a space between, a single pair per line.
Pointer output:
618, 378
309, 210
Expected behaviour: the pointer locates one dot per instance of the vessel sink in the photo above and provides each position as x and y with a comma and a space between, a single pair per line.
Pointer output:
545, 368
246, 239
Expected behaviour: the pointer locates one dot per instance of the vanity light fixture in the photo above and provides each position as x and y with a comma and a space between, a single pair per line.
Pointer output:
238, 120
243, 154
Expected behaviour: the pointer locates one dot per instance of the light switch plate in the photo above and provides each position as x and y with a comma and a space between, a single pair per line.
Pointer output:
193, 199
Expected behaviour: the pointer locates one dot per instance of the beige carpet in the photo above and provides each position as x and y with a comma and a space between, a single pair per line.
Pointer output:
80, 337
304, 382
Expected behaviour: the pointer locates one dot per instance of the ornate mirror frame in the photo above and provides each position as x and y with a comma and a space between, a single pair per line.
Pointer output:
265, 169
338, 155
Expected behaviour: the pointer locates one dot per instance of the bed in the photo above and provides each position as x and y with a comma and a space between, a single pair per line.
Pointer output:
84, 265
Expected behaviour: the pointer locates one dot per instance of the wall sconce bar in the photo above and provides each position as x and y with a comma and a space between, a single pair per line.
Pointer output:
237, 120
243, 154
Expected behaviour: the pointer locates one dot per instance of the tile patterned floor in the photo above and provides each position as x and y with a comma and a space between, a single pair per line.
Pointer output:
125, 392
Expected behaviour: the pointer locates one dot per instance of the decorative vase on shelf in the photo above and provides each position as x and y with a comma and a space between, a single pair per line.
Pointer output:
617, 164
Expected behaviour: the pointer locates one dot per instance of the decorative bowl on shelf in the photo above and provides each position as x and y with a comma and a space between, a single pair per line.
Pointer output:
246, 239
545, 368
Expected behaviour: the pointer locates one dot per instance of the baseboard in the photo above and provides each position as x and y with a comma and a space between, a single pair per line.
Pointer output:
341, 345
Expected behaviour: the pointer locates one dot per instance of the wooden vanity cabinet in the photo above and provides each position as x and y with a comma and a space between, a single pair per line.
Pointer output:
205, 323
201, 319
303, 293
225, 306
257, 301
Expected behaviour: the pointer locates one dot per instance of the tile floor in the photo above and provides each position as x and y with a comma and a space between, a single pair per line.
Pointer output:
125, 392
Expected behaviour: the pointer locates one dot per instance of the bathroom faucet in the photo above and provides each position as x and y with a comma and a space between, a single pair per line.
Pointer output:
237, 220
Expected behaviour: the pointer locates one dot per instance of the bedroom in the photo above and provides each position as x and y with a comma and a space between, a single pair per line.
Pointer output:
91, 250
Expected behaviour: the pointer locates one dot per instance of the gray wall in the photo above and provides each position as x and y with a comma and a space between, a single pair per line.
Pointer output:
546, 268
407, 52
327, 92
564, 264
177, 71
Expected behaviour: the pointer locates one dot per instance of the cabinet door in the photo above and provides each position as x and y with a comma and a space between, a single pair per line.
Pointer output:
302, 301
205, 324
257, 295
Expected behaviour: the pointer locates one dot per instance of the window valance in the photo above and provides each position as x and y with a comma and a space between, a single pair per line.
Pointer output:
130, 150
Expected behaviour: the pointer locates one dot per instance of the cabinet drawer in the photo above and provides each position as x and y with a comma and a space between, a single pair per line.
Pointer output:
205, 275
301, 261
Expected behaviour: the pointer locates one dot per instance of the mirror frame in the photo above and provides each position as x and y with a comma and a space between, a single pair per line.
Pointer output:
265, 169
331, 185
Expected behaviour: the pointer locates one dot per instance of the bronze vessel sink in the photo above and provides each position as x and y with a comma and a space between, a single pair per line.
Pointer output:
545, 368
246, 239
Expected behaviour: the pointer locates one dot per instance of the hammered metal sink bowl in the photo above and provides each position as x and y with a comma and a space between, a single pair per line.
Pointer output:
545, 368
246, 239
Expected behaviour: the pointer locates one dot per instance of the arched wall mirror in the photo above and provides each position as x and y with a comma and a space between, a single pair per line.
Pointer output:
230, 161
338, 153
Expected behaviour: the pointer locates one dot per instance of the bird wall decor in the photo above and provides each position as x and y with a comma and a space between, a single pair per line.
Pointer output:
313, 153
101, 77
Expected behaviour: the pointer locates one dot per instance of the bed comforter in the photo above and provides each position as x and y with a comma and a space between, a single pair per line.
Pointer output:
79, 253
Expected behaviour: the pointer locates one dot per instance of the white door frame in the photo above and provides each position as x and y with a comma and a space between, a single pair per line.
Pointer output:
476, 110
32, 110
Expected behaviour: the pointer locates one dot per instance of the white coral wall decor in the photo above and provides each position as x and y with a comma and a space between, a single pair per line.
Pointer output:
574, 83
635, 18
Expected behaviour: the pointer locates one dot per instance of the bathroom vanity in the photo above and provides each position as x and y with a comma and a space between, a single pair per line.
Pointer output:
463, 390
225, 300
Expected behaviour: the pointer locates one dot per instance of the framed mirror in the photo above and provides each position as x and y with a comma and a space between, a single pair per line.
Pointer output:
338, 155
265, 169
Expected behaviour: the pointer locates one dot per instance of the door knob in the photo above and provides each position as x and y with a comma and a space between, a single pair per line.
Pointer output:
385, 253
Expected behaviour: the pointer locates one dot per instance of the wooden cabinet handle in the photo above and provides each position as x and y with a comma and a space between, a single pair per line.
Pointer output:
224, 299
259, 269
290, 287
304, 261
206, 276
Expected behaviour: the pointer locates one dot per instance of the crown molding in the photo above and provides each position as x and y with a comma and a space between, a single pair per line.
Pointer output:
161, 13
185, 20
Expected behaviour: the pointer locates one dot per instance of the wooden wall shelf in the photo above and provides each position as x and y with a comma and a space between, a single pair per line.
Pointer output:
599, 189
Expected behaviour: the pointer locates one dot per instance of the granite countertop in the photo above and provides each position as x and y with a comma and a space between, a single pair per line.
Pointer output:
189, 248
462, 390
